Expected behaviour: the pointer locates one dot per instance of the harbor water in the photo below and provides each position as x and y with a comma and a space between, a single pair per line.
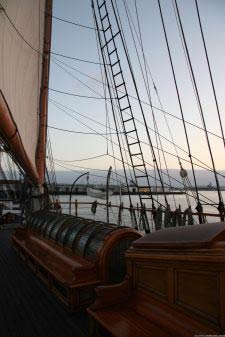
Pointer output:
210, 201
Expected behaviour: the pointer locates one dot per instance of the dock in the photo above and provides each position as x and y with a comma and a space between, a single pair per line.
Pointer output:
80, 189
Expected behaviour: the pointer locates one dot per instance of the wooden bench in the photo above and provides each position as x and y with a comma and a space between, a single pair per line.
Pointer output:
174, 287
72, 255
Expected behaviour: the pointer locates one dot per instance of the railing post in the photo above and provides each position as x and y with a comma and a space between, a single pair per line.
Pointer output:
107, 194
76, 206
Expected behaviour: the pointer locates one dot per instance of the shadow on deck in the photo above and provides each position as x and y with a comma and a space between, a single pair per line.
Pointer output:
27, 308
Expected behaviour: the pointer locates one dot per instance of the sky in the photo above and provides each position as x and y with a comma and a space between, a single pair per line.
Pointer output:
89, 115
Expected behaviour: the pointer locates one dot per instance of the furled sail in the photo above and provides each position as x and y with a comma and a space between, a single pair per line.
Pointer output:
25, 36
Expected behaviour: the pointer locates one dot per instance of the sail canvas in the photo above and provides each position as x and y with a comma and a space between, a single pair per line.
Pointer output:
22, 27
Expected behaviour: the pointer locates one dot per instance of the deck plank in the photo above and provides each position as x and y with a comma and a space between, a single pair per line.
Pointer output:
27, 308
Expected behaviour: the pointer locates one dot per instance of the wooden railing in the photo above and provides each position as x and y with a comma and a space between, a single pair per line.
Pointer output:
136, 209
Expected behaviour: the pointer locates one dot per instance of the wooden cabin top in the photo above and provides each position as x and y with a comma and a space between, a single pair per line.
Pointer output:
197, 236
84, 237
103, 245
175, 282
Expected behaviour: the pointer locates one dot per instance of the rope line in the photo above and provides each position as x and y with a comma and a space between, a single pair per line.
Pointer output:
38, 51
18, 32
198, 102
75, 95
74, 58
210, 72
120, 27
62, 107
72, 23
108, 127
179, 102
79, 132
98, 37
146, 103
147, 85
90, 158
174, 179
153, 82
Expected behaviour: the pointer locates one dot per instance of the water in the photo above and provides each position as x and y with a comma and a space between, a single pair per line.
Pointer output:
85, 210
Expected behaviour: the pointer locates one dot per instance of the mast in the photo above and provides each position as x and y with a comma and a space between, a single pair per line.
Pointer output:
41, 146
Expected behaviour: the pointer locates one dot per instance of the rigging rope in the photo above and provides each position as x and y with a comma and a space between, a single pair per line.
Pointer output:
146, 103
153, 82
24, 40
210, 73
150, 128
62, 107
70, 161
90, 174
81, 167
38, 51
18, 32
179, 102
74, 58
180, 189
118, 105
135, 98
79, 132
157, 135
111, 99
120, 28
108, 127
221, 205
131, 180
73, 23
51, 174
75, 95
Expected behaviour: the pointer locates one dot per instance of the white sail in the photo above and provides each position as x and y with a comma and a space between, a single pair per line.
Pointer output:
22, 25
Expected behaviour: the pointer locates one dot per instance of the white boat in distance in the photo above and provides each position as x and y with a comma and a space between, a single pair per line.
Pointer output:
98, 193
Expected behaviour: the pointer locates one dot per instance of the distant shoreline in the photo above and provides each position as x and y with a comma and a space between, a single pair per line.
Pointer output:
175, 192
117, 193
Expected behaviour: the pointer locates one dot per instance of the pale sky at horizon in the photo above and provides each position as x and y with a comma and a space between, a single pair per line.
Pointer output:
81, 43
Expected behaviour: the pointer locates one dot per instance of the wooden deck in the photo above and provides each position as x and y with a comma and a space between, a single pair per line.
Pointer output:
27, 308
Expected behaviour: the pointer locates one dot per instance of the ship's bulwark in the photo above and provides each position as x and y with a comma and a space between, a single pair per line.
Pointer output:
27, 308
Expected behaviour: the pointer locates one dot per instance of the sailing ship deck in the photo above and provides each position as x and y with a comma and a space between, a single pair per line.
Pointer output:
27, 308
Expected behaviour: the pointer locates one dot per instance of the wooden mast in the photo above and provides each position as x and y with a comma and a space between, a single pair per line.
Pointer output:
41, 146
